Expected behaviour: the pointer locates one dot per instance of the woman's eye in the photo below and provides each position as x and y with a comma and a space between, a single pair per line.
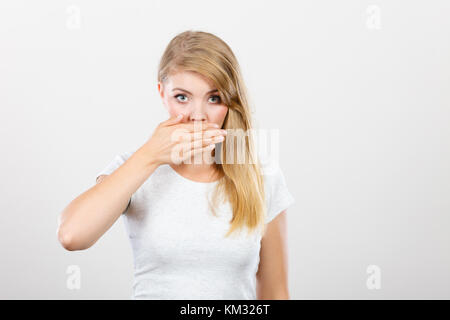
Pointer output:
217, 97
184, 98
180, 95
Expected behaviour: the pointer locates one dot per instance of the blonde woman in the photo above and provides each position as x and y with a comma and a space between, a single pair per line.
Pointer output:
198, 229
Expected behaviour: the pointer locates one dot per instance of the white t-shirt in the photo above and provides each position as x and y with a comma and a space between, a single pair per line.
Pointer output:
179, 247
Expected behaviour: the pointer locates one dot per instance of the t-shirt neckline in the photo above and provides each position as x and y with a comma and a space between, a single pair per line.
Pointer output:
197, 183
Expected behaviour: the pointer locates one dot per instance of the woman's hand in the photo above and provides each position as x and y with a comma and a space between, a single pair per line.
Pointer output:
176, 142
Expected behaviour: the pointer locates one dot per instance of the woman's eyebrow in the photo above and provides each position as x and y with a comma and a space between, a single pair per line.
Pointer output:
214, 90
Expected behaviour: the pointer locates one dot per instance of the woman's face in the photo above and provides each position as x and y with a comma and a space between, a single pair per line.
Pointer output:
194, 96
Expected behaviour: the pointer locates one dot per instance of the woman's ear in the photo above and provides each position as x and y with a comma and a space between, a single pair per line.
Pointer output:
161, 89
161, 94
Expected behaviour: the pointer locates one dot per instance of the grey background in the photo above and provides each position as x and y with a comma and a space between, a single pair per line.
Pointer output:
360, 96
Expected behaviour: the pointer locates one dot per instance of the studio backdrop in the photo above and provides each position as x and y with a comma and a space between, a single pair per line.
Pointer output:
358, 92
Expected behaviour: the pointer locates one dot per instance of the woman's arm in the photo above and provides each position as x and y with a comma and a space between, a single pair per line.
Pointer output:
92, 213
272, 275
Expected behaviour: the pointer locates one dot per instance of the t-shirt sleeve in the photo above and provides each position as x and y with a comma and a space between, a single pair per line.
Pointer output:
112, 166
278, 197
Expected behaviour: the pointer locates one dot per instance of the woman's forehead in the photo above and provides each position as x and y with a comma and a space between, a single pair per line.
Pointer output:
190, 81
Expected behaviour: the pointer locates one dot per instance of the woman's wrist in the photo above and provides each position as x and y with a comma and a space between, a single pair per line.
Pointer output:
146, 159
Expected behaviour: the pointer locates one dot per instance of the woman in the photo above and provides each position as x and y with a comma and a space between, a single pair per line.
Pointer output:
184, 217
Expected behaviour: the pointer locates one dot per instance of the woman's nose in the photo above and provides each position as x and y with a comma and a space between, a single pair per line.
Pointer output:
198, 113
198, 117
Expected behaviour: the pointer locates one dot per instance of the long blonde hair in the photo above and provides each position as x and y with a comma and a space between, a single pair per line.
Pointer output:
242, 184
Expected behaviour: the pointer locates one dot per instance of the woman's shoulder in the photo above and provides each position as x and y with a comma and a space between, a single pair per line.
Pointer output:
272, 173
162, 172
278, 195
